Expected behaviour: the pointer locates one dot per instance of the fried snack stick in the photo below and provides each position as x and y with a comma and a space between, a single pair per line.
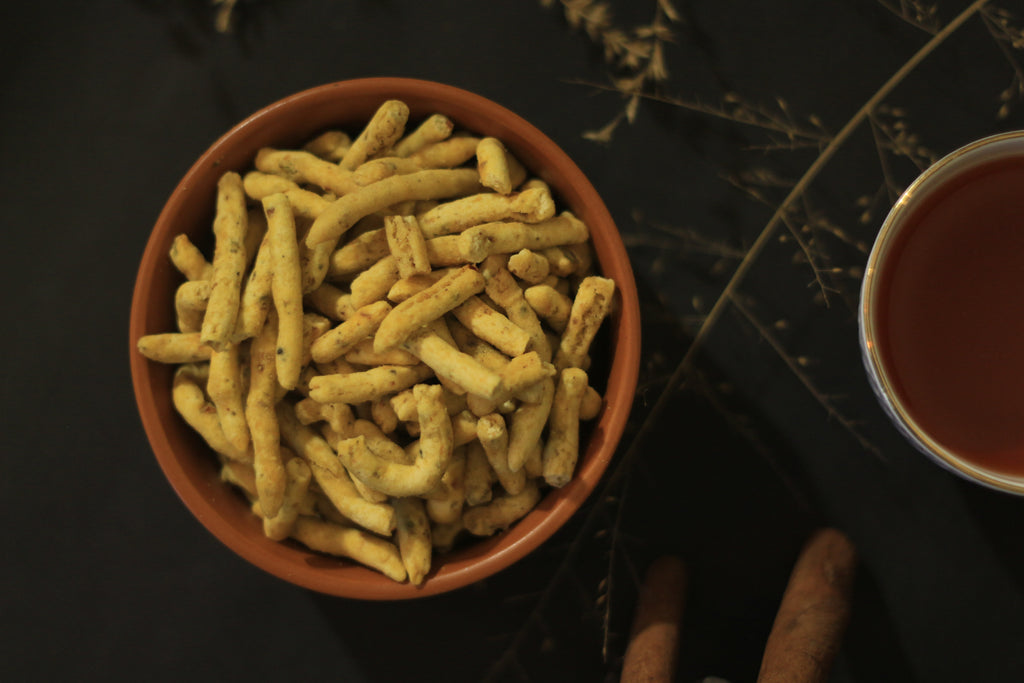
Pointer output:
189, 261
224, 387
331, 301
527, 206
191, 404
451, 364
407, 245
330, 145
492, 326
521, 377
174, 347
374, 283
229, 227
413, 536
366, 549
427, 305
268, 461
298, 475
190, 299
330, 474
506, 292
366, 385
550, 304
256, 299
343, 213
363, 354
304, 203
492, 162
449, 153
509, 237
527, 425
384, 129
653, 650
815, 608
493, 436
333, 438
444, 505
404, 404
529, 266
435, 447
479, 476
285, 288
358, 254
501, 512
562, 449
340, 340
434, 128
592, 303
304, 168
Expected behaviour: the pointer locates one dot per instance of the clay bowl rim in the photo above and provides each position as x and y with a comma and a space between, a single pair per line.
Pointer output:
194, 478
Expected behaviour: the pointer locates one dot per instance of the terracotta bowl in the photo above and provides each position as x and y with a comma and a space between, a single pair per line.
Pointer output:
190, 466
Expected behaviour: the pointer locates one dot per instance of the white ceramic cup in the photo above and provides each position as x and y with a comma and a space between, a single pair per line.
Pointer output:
935, 179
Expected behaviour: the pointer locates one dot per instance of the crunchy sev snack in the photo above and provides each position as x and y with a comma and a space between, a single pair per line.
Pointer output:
388, 351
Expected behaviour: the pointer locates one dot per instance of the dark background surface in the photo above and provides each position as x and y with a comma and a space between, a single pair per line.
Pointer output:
773, 431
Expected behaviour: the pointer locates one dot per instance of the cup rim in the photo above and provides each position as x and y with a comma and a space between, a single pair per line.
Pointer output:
982, 151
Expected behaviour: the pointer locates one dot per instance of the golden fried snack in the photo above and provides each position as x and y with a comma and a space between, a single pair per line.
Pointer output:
384, 129
492, 326
297, 477
343, 213
330, 145
427, 305
330, 475
562, 447
509, 237
229, 227
331, 301
449, 153
527, 425
453, 365
404, 404
375, 282
261, 418
448, 251
493, 165
286, 288
434, 128
434, 446
256, 299
358, 254
174, 347
334, 439
305, 203
455, 216
529, 266
520, 378
413, 536
224, 387
340, 340
189, 261
240, 475
303, 168
591, 404
502, 511
191, 404
363, 354
364, 548
479, 476
592, 303
366, 385
493, 435
444, 505
506, 292
550, 304
190, 301
408, 286
407, 245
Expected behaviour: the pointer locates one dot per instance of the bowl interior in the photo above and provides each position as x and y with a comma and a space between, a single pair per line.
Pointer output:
186, 460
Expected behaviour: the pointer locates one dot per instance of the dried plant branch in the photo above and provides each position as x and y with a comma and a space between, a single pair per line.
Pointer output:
796, 365
915, 13
1008, 38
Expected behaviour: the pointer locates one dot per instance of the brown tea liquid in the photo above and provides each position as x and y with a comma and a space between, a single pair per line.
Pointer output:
951, 316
